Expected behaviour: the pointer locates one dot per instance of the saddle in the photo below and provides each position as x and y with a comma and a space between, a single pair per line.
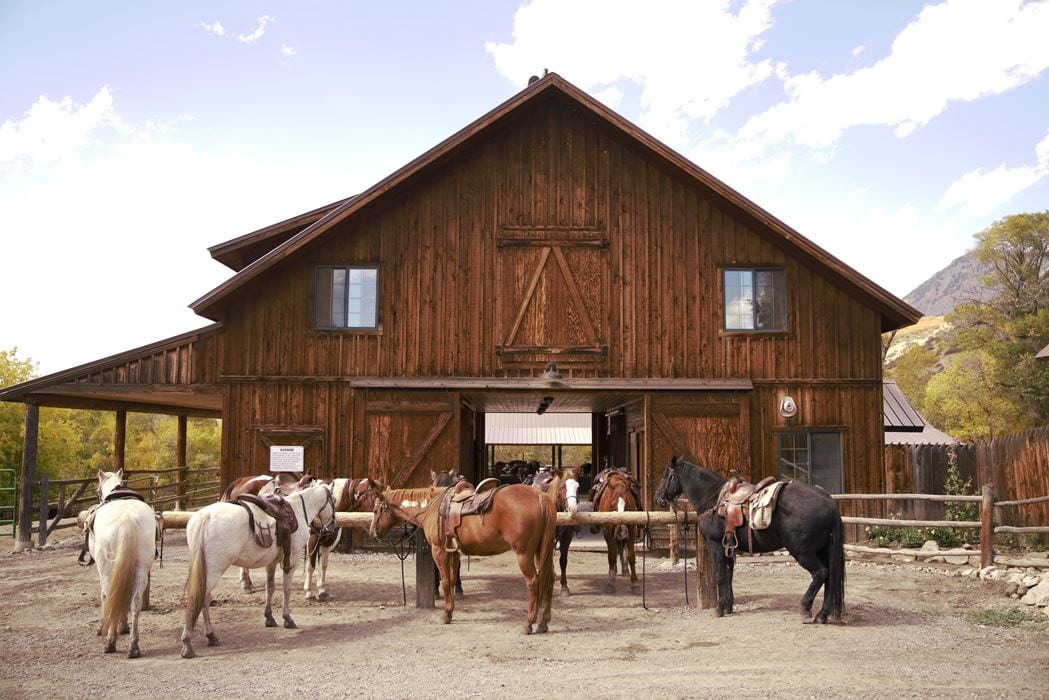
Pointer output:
739, 502
282, 514
601, 482
120, 493
460, 500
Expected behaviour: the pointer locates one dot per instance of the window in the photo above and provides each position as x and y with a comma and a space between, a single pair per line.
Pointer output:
755, 299
347, 297
812, 457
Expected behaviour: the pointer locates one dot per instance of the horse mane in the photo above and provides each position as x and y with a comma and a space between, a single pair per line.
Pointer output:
424, 493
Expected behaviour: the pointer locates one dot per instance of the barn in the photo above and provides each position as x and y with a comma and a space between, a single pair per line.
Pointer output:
550, 257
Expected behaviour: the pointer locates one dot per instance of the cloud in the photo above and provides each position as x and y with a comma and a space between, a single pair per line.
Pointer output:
956, 51
57, 131
688, 69
288, 51
978, 193
217, 29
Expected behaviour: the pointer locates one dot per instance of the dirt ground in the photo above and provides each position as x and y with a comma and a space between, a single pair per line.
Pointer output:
904, 635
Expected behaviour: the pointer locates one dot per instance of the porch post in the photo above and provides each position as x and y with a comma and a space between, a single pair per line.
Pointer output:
119, 438
180, 463
24, 535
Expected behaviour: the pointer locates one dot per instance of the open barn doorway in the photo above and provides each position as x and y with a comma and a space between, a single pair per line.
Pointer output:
517, 445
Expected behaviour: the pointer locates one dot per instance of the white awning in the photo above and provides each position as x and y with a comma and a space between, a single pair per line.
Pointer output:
533, 429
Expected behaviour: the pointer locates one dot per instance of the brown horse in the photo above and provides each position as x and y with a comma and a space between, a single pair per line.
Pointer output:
520, 518
566, 496
614, 491
444, 480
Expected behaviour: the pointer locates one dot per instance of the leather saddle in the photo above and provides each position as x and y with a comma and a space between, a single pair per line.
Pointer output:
120, 493
460, 500
741, 502
284, 521
601, 482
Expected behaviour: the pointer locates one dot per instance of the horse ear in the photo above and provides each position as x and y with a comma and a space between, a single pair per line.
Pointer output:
433, 475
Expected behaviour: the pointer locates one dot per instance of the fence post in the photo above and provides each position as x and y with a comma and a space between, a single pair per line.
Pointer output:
45, 508
987, 526
424, 576
180, 464
706, 577
24, 535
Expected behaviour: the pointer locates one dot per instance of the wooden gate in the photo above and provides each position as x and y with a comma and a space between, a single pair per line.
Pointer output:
409, 433
712, 430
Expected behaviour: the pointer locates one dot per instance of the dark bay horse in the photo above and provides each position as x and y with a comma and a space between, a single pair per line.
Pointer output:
566, 497
616, 491
805, 522
520, 518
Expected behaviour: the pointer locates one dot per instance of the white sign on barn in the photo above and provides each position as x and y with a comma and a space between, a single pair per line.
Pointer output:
286, 458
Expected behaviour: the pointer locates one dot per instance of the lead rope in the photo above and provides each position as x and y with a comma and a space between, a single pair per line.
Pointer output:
685, 567
402, 551
647, 541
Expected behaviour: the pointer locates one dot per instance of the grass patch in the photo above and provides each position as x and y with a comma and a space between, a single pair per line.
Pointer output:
1014, 616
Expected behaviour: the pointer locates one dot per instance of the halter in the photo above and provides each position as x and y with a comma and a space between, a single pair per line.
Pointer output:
673, 504
325, 528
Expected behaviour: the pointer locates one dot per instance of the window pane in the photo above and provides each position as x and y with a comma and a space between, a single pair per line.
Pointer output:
794, 456
826, 461
346, 297
770, 308
739, 295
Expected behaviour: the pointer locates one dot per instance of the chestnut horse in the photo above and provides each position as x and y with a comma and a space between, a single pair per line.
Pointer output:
615, 492
444, 480
805, 522
520, 518
567, 499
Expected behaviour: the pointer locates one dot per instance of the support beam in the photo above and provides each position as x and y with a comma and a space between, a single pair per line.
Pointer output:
180, 463
24, 535
119, 440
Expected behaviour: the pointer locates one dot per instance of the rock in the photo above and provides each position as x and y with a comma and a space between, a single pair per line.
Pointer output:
930, 546
1031, 581
990, 573
1038, 596
1011, 587
936, 559
974, 559
903, 557
965, 572
956, 560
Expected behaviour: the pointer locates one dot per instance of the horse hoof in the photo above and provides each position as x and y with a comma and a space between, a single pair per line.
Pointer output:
270, 622
187, 652
134, 652
109, 648
125, 630
213, 641
323, 597
459, 595
610, 588
247, 589
565, 591
289, 624
718, 612
542, 628
528, 629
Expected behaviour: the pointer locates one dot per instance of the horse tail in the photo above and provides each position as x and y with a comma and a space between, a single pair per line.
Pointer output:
835, 588
548, 513
121, 581
197, 579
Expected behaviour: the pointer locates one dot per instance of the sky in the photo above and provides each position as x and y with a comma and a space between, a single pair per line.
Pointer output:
135, 135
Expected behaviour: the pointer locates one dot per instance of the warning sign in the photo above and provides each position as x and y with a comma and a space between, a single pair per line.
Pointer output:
286, 458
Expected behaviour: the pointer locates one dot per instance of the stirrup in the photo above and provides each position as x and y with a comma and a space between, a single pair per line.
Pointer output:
730, 543
454, 542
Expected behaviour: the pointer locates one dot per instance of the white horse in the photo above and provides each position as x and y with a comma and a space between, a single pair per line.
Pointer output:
219, 536
351, 495
122, 542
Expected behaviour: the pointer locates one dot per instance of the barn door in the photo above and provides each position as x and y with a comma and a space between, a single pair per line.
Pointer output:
407, 434
712, 431
550, 281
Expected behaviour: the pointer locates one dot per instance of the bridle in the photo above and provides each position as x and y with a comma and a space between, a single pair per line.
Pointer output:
681, 489
329, 501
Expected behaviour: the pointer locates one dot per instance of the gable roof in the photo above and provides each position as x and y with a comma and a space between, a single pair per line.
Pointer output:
895, 312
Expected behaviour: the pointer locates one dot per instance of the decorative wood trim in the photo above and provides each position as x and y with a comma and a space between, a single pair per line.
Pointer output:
551, 349
532, 286
509, 242
672, 436
577, 299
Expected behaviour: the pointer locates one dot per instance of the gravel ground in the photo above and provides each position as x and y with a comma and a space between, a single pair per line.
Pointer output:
904, 635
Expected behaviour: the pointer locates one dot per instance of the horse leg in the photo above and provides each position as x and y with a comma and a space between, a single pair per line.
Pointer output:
307, 584
133, 651
565, 540
245, 581
730, 594
322, 590
635, 584
271, 574
209, 629
442, 560
526, 562
724, 581
819, 572
612, 547
459, 577
286, 580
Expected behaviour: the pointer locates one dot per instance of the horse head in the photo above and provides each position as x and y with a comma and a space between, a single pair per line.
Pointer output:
446, 478
669, 486
107, 481
364, 494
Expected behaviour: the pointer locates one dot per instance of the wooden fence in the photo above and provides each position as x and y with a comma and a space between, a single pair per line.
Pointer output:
58, 502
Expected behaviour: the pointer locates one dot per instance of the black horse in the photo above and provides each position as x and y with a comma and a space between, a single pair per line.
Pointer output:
805, 522
445, 479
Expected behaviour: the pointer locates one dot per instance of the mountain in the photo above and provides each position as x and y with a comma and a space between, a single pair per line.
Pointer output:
957, 283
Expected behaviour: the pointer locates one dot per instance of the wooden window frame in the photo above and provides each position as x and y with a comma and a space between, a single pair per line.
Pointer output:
808, 433
782, 270
361, 330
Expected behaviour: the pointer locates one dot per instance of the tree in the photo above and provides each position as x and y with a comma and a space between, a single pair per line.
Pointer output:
912, 371
966, 399
1017, 250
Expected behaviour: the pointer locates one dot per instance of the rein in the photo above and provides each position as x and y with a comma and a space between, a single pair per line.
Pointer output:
329, 500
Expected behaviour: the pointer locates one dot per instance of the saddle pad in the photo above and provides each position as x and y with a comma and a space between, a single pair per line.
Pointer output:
261, 524
762, 505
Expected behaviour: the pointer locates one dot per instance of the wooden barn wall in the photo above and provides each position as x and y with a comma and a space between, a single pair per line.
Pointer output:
449, 295
195, 361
